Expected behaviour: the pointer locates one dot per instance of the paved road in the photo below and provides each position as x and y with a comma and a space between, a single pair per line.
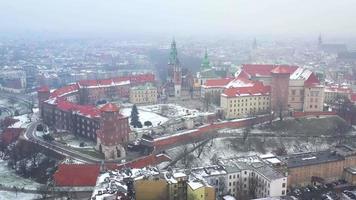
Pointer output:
30, 135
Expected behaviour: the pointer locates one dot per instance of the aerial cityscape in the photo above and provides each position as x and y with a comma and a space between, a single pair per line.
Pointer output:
178, 100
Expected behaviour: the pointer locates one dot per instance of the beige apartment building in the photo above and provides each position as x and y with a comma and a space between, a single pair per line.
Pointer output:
144, 94
240, 102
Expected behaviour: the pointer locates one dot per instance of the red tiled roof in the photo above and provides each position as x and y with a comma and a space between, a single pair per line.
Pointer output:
109, 107
353, 97
10, 135
257, 89
218, 82
82, 175
265, 69
76, 175
86, 110
64, 90
43, 89
312, 80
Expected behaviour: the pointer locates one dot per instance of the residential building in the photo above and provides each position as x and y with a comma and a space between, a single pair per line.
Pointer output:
153, 187
323, 166
199, 190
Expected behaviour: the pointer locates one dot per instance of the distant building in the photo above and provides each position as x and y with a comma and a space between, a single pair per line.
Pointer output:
13, 81
331, 48
143, 94
332, 92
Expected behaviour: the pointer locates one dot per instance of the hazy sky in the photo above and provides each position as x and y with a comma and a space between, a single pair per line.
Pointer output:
177, 17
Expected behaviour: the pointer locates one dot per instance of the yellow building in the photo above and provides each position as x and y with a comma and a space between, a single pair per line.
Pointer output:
145, 94
245, 101
177, 185
151, 188
198, 190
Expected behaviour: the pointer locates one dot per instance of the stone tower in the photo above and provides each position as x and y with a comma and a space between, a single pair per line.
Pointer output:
43, 94
279, 90
113, 134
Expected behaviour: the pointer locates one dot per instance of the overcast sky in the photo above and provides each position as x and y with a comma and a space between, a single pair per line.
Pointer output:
177, 17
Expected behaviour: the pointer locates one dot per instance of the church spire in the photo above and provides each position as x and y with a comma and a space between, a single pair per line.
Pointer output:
173, 56
254, 44
206, 63
320, 40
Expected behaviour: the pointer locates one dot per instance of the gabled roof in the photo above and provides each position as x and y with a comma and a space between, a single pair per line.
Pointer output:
312, 80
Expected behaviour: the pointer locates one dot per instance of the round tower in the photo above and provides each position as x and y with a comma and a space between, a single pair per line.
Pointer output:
113, 134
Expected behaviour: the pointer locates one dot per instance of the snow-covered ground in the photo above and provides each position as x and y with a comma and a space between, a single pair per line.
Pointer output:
23, 121
156, 119
9, 178
73, 141
4, 195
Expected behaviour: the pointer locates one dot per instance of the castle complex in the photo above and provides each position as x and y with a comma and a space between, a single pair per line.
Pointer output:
72, 108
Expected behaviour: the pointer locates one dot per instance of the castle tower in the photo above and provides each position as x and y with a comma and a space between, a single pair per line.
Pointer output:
279, 90
175, 70
43, 94
113, 134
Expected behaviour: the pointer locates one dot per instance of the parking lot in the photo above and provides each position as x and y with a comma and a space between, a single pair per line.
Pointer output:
338, 190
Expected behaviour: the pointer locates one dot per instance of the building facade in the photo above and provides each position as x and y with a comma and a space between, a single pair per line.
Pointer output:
144, 94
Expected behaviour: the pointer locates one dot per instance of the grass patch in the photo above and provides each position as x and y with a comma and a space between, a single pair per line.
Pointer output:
90, 152
332, 125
